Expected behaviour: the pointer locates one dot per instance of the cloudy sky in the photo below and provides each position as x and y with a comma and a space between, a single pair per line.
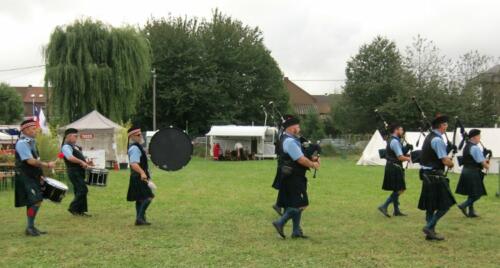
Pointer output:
311, 40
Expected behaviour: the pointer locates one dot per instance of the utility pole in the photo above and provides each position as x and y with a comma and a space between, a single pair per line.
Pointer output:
154, 98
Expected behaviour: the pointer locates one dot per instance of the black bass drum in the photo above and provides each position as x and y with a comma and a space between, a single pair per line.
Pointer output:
170, 149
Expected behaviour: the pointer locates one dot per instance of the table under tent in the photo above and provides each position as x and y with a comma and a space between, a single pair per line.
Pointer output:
257, 141
98, 137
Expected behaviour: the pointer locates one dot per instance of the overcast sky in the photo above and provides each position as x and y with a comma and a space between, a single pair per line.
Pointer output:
311, 40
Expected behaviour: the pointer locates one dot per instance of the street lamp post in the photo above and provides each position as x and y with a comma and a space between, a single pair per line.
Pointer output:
154, 98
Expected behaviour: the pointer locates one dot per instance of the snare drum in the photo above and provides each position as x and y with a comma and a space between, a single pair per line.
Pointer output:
97, 177
54, 190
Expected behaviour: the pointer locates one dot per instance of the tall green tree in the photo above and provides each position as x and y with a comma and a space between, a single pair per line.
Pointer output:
374, 75
210, 71
11, 108
312, 126
91, 65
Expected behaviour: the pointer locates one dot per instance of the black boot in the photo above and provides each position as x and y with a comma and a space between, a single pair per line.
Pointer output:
384, 211
31, 231
472, 212
463, 209
279, 229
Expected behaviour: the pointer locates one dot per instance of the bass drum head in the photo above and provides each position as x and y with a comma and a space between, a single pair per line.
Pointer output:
170, 149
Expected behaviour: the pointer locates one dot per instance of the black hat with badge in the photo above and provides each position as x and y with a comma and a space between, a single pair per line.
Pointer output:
440, 119
474, 132
290, 120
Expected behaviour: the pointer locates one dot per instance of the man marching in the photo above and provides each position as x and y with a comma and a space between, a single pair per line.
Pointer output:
435, 198
471, 179
394, 176
138, 189
292, 194
75, 166
29, 176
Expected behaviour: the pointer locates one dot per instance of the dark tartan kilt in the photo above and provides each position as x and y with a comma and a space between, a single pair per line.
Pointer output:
435, 195
471, 182
28, 190
394, 178
138, 189
293, 192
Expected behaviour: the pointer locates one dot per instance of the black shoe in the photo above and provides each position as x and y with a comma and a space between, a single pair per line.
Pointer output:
141, 222
464, 210
432, 235
472, 215
384, 211
279, 229
39, 231
399, 213
74, 213
278, 210
295, 236
31, 232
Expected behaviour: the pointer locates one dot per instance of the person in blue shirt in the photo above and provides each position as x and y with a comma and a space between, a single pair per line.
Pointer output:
436, 197
471, 178
76, 166
292, 194
29, 178
138, 189
394, 175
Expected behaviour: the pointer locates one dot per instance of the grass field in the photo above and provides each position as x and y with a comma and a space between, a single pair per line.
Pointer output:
219, 214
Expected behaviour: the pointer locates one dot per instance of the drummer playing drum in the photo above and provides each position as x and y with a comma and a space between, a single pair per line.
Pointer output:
76, 166
29, 175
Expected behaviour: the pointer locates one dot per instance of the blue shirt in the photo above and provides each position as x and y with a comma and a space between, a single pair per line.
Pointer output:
67, 150
396, 146
292, 147
477, 154
24, 146
134, 154
438, 145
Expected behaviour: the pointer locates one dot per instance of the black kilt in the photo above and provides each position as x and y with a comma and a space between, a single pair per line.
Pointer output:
394, 178
138, 189
471, 182
277, 179
435, 194
293, 191
28, 190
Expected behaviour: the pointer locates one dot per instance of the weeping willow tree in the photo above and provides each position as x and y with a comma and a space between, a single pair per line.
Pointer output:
91, 65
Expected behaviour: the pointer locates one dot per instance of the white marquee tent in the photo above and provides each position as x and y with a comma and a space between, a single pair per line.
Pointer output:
490, 138
256, 139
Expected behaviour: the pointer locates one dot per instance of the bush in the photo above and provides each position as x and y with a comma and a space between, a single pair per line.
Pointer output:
48, 149
199, 149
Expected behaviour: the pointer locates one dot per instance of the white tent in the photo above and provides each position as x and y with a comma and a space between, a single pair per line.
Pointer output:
96, 132
490, 138
7, 139
255, 139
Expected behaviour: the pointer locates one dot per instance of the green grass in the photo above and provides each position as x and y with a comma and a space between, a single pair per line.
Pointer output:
219, 214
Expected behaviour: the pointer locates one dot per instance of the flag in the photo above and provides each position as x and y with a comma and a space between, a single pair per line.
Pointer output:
40, 119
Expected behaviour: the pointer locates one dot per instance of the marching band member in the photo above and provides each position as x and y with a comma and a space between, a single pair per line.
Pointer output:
75, 166
292, 194
29, 175
138, 189
394, 176
435, 198
471, 179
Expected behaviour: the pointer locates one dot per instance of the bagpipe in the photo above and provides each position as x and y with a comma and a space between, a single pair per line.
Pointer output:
487, 153
427, 126
407, 147
311, 150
